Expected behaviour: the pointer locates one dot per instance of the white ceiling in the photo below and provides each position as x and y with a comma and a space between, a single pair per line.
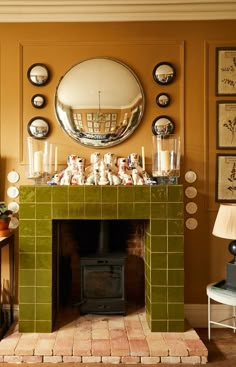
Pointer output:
115, 10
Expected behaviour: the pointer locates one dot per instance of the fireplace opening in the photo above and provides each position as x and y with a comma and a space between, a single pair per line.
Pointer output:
97, 260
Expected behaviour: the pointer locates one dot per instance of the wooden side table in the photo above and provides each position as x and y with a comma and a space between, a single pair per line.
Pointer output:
219, 293
10, 241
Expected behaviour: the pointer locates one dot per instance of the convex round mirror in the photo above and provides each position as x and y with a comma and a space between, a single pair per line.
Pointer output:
164, 73
99, 102
163, 125
38, 127
38, 74
38, 101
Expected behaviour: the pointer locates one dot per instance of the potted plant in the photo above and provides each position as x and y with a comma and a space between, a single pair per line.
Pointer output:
5, 217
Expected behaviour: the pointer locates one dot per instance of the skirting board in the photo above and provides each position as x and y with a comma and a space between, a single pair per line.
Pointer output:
197, 314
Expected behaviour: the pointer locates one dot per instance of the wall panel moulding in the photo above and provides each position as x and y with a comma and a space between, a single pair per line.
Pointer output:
115, 10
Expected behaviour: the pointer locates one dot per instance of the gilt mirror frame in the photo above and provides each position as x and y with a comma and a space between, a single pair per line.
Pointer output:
99, 102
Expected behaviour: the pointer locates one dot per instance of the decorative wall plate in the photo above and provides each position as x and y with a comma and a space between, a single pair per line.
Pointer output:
164, 73
163, 125
14, 223
12, 192
190, 192
190, 176
191, 207
13, 177
13, 206
191, 223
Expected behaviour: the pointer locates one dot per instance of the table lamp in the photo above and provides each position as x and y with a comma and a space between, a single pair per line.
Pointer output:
225, 227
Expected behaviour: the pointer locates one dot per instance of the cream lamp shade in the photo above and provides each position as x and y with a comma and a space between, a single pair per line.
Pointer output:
225, 223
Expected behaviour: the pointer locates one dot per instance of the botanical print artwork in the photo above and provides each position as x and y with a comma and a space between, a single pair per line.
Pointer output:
226, 72
226, 125
226, 180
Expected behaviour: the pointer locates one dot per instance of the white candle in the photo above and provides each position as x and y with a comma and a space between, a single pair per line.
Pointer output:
165, 160
38, 161
56, 156
143, 159
50, 158
30, 157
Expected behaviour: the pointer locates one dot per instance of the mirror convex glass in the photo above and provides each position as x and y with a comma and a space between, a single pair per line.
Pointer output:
99, 102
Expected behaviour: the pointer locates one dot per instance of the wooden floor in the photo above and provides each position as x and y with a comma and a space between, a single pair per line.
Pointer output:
221, 348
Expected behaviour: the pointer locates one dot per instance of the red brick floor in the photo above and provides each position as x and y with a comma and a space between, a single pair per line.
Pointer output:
103, 339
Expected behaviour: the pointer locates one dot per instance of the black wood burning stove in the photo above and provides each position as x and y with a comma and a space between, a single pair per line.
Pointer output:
102, 281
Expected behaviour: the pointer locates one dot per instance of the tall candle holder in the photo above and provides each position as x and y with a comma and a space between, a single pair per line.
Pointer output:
166, 158
42, 157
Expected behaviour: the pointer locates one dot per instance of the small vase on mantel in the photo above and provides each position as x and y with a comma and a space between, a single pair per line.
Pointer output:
4, 227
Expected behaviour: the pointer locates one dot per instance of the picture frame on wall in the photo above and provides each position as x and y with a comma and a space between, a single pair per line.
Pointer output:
226, 71
226, 124
225, 178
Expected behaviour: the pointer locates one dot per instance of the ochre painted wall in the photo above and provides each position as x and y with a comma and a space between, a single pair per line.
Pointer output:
189, 46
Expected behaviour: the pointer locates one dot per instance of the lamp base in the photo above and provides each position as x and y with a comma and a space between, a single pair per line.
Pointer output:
231, 275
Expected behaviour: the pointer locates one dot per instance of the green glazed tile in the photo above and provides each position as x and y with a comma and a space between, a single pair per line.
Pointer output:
142, 210
159, 243
93, 211
158, 261
176, 311
176, 243
159, 210
109, 194
60, 194
43, 194
159, 294
76, 194
43, 294
159, 311
44, 244
60, 211
27, 211
176, 326
175, 227
27, 244
43, 211
159, 193
76, 210
148, 240
109, 211
26, 326
26, 261
176, 277
158, 277
26, 294
27, 194
43, 311
125, 194
176, 294
92, 194
158, 227
43, 277
43, 261
43, 228
159, 326
27, 312
142, 194
27, 227
176, 261
43, 326
175, 210
175, 193
126, 211
27, 277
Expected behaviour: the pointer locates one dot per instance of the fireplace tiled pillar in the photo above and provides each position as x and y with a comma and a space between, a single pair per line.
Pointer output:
162, 208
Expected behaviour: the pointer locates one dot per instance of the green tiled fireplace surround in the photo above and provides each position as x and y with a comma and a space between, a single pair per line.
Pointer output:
161, 206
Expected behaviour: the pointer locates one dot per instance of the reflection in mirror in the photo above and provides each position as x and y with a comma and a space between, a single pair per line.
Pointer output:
163, 125
38, 101
164, 73
99, 102
163, 100
38, 74
38, 127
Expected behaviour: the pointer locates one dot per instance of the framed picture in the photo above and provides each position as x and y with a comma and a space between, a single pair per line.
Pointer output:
226, 178
226, 71
226, 124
